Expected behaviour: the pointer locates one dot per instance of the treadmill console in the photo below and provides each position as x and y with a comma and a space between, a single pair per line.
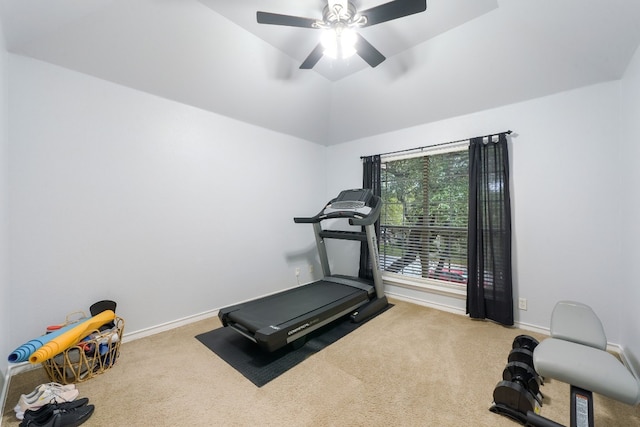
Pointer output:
352, 199
359, 205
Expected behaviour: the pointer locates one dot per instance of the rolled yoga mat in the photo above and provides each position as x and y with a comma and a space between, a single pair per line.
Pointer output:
71, 337
22, 353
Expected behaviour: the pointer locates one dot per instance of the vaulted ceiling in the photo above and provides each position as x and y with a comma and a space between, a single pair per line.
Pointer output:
458, 57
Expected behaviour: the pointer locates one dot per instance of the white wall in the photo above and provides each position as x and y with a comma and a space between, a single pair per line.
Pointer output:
630, 195
565, 196
4, 275
169, 210
114, 193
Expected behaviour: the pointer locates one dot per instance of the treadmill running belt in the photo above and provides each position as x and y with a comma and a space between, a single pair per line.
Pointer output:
289, 305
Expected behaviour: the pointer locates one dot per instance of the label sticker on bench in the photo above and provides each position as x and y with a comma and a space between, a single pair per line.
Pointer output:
582, 411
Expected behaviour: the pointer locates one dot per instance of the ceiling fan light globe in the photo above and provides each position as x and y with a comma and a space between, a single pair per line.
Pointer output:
339, 44
348, 38
329, 40
347, 41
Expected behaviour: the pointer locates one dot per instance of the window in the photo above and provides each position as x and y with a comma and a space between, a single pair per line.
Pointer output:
423, 224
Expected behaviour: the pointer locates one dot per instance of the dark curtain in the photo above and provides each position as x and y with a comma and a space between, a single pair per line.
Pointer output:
370, 179
489, 288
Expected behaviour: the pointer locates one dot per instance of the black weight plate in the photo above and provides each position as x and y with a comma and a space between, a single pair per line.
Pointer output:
525, 341
521, 355
514, 396
520, 372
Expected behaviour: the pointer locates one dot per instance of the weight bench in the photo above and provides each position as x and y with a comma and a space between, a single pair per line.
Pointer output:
576, 354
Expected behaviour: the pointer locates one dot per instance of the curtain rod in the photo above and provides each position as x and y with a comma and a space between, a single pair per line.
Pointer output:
507, 132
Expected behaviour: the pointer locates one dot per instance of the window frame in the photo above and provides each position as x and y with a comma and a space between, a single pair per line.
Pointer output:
431, 285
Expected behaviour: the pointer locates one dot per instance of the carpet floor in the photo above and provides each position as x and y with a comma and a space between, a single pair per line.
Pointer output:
410, 366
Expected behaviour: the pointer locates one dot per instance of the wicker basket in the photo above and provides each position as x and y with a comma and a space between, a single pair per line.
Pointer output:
89, 358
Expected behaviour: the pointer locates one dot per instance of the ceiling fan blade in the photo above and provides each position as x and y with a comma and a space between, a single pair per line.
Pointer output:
367, 52
393, 10
287, 20
313, 57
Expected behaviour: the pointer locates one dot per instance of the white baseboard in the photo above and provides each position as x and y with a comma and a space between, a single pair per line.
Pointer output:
460, 311
626, 361
131, 336
430, 304
532, 328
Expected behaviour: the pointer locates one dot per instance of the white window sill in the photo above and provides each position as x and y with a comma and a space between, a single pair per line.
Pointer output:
426, 285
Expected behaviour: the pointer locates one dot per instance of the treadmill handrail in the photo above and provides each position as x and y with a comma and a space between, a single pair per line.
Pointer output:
355, 218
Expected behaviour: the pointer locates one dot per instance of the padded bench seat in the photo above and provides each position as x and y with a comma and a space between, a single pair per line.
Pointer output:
586, 367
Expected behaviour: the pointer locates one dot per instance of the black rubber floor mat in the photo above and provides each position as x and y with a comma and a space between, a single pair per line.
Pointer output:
260, 366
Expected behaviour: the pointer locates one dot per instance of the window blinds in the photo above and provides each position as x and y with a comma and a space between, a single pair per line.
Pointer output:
423, 225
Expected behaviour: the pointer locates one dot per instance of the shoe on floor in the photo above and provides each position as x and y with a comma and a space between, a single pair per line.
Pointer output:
44, 412
44, 396
67, 418
53, 386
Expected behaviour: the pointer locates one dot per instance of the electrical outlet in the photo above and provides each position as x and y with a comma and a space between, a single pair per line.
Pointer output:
310, 268
522, 303
297, 271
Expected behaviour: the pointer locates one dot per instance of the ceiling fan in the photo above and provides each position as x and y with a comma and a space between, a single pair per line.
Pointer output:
340, 19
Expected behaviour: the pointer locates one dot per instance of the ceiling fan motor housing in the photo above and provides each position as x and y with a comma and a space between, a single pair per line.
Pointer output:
338, 11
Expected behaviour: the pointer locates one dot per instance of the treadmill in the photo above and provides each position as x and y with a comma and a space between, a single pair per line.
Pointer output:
287, 317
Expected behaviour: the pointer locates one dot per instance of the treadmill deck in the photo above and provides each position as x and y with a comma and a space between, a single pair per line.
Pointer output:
287, 306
